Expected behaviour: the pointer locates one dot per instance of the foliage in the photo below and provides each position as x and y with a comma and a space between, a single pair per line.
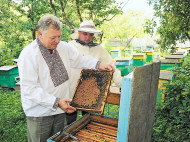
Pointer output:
71, 12
13, 122
12, 33
18, 25
174, 21
111, 110
125, 27
172, 121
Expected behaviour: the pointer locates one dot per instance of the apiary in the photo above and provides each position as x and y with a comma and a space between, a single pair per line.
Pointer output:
137, 102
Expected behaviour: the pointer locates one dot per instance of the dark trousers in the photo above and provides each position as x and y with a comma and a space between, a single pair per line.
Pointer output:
71, 117
41, 128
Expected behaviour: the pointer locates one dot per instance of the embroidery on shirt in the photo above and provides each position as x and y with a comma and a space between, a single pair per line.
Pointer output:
57, 69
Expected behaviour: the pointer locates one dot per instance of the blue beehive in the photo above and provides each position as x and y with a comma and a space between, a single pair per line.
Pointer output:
125, 65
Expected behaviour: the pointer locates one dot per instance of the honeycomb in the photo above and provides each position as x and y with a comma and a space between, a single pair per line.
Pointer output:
91, 91
88, 86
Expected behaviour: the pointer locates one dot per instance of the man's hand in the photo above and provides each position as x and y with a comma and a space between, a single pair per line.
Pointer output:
103, 66
64, 104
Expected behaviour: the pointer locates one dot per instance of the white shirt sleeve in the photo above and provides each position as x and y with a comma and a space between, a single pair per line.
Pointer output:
29, 81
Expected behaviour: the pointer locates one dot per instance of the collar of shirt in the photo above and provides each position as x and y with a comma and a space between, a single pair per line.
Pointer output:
91, 44
45, 48
56, 66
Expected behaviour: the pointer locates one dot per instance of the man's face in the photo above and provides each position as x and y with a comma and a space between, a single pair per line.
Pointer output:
51, 38
86, 37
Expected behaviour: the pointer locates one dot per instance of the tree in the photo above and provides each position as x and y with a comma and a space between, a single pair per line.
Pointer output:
125, 27
70, 12
12, 32
19, 20
174, 21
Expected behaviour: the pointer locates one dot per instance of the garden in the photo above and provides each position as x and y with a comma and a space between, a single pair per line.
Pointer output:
18, 28
171, 121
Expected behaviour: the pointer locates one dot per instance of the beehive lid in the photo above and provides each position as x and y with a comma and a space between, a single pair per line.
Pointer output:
92, 89
7, 68
139, 54
172, 61
173, 56
149, 51
123, 59
166, 75
179, 53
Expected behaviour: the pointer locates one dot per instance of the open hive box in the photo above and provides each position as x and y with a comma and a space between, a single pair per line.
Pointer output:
91, 127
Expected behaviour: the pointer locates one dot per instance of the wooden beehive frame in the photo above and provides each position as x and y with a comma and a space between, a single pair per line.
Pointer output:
92, 95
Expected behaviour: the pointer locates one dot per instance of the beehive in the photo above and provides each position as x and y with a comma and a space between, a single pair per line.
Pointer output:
125, 65
139, 59
7, 75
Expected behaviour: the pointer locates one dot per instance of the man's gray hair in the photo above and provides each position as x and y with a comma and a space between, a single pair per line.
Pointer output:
49, 20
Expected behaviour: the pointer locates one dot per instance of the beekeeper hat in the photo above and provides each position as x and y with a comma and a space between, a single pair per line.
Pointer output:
86, 26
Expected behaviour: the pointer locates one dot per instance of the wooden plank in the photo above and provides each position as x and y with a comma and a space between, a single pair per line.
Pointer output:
138, 107
143, 99
152, 100
105, 120
126, 89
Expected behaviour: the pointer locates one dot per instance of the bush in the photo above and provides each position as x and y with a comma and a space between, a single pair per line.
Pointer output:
172, 121
13, 122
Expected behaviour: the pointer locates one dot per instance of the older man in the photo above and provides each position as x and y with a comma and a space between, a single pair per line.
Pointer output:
44, 69
83, 42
